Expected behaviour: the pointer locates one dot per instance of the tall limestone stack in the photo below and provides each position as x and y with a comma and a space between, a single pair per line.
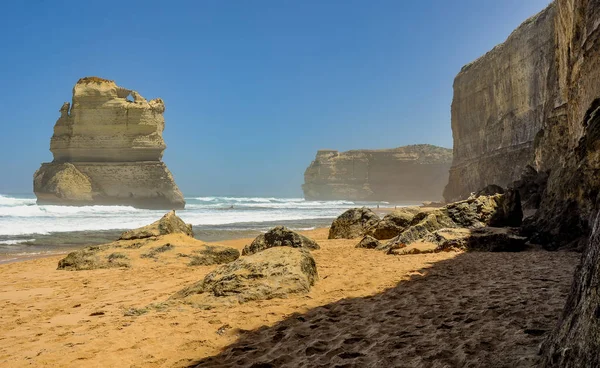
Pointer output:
417, 172
107, 148
499, 106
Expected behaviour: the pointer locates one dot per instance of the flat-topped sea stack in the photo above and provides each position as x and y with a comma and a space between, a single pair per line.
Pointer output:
107, 147
414, 173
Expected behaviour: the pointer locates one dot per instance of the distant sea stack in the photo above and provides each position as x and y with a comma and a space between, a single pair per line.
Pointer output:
107, 147
409, 173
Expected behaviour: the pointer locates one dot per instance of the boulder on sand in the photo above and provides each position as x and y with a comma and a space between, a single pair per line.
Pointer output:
394, 223
488, 239
271, 273
213, 254
168, 224
497, 210
92, 258
368, 242
279, 236
354, 223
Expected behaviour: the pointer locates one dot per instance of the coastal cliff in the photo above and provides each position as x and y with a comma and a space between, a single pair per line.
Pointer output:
530, 105
499, 106
107, 147
547, 116
417, 172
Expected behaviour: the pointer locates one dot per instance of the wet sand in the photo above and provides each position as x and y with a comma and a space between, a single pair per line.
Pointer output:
367, 309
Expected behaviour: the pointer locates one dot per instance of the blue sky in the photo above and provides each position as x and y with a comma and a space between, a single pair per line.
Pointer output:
252, 88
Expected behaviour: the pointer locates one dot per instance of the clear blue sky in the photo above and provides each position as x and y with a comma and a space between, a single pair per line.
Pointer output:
252, 88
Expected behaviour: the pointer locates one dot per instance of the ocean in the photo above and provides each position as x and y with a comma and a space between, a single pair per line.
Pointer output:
28, 230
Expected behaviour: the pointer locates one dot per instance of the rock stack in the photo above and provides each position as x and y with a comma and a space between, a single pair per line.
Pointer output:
107, 147
410, 173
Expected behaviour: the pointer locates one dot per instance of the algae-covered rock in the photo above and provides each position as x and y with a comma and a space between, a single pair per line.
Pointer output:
353, 223
279, 236
213, 254
394, 223
168, 224
272, 273
92, 258
477, 212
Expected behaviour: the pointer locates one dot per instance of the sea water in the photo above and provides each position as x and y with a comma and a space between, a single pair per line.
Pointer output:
29, 229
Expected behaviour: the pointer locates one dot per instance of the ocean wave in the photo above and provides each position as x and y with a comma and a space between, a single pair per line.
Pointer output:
13, 201
21, 216
23, 225
245, 199
15, 241
57, 211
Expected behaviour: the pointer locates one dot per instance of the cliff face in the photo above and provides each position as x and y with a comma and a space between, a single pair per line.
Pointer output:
564, 121
570, 146
107, 147
417, 172
499, 106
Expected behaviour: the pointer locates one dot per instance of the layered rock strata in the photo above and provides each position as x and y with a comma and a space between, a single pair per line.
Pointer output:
417, 172
499, 106
107, 147
565, 146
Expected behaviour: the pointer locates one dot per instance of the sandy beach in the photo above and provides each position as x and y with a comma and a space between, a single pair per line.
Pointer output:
367, 309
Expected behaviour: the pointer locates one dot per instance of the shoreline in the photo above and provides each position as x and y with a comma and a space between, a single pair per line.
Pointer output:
78, 238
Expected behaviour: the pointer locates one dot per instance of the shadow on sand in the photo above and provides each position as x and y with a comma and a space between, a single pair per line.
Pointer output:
476, 310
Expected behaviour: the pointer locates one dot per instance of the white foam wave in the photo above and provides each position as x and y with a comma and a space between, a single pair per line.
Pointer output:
15, 241
57, 211
12, 201
246, 199
24, 217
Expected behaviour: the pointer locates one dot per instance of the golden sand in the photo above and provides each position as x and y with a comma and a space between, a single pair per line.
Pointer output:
367, 309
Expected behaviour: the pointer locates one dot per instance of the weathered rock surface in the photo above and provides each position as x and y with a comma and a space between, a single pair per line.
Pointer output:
368, 242
574, 342
279, 236
499, 107
107, 150
488, 239
168, 240
394, 223
354, 223
417, 172
490, 190
91, 258
168, 224
63, 181
526, 113
213, 254
135, 253
497, 210
272, 273
556, 78
531, 186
